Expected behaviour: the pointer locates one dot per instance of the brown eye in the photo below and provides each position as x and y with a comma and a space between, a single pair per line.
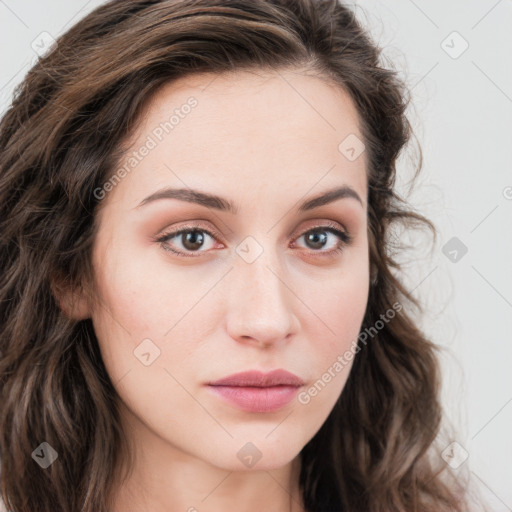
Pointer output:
192, 239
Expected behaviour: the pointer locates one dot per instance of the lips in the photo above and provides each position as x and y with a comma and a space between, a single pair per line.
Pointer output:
258, 379
255, 391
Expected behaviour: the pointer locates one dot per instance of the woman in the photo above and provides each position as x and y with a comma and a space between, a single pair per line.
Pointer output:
200, 305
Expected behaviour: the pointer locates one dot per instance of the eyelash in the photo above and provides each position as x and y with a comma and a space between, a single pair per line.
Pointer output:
344, 236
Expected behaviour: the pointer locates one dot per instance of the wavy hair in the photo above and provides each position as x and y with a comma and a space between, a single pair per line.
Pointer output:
63, 136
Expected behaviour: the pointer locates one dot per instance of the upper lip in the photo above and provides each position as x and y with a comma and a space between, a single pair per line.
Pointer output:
255, 378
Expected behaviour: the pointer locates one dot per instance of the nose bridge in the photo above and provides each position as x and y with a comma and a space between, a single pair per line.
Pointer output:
263, 283
260, 304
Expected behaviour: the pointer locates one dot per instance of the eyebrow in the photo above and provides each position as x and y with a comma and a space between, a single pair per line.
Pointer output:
222, 204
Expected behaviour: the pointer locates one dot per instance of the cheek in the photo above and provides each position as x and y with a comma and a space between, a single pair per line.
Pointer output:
339, 313
135, 313
340, 303
333, 350
142, 305
143, 294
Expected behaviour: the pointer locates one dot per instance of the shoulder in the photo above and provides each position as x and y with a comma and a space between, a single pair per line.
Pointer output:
2, 505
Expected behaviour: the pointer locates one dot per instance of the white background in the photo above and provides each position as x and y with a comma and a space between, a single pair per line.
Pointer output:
462, 114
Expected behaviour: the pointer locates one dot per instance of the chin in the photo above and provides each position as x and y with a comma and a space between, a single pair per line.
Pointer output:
254, 456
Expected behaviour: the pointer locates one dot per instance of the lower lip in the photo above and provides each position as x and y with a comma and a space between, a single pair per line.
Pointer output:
252, 399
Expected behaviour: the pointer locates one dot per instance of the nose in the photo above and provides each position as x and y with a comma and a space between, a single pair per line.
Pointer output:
260, 304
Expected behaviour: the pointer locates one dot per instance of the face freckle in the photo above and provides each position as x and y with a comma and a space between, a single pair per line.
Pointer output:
251, 300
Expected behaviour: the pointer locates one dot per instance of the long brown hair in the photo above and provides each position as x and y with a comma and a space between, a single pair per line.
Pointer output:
62, 138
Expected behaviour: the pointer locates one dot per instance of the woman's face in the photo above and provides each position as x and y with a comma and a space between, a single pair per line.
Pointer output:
255, 288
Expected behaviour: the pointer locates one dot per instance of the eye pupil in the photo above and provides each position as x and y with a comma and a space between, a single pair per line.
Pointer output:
190, 241
314, 236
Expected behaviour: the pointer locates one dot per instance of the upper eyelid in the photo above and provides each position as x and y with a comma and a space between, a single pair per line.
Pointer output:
215, 234
218, 234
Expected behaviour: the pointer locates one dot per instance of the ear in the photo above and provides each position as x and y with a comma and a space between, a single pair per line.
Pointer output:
73, 302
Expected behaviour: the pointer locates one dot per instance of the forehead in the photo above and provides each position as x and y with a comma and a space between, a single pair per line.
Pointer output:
261, 104
246, 130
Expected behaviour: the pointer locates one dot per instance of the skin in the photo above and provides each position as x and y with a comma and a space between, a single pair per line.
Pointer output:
266, 141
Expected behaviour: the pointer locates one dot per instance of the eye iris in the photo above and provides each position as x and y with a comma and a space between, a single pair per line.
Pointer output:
190, 240
314, 236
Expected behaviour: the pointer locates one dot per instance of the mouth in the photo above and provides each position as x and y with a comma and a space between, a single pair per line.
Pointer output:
255, 391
